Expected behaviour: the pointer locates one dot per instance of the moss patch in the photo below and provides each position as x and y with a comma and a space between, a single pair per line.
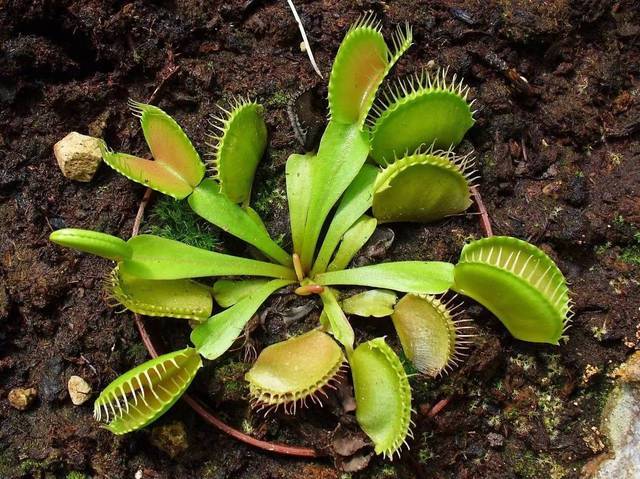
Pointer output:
175, 220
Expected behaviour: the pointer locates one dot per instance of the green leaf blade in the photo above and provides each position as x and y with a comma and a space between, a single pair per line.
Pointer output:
421, 277
216, 335
94, 242
160, 258
212, 205
299, 183
339, 325
354, 203
352, 241
227, 292
342, 153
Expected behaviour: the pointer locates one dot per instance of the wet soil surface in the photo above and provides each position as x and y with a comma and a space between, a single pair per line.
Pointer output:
557, 138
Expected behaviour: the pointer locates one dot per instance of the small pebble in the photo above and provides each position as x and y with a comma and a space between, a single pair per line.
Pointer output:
78, 156
22, 398
495, 440
79, 390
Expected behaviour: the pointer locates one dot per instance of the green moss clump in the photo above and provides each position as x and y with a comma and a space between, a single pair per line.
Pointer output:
31, 466
231, 378
528, 465
631, 254
76, 475
269, 196
137, 352
7, 464
175, 220
279, 99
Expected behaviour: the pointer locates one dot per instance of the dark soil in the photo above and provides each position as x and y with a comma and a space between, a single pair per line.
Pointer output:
559, 155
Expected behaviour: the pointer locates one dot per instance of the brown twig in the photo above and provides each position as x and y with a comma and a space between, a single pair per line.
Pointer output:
140, 214
485, 223
440, 405
173, 70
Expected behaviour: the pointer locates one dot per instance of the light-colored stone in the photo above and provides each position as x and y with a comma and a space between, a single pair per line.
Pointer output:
621, 423
79, 390
78, 156
21, 398
629, 372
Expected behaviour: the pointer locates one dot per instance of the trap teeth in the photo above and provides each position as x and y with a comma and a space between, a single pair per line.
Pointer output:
400, 193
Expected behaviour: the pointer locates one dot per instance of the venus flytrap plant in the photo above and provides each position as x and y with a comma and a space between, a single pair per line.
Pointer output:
411, 182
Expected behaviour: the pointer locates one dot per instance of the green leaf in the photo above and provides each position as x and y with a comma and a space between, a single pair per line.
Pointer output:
427, 277
143, 394
518, 283
298, 171
94, 242
340, 326
342, 152
213, 337
362, 62
208, 202
420, 111
239, 149
324, 321
253, 214
176, 168
227, 292
355, 202
352, 241
168, 143
174, 298
160, 258
377, 303
383, 396
423, 188
155, 175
